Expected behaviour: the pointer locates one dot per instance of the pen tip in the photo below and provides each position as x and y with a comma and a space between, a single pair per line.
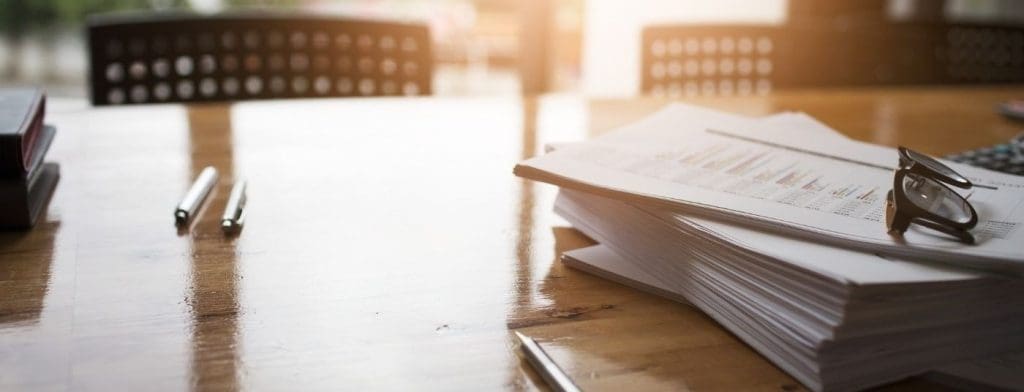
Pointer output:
520, 336
180, 217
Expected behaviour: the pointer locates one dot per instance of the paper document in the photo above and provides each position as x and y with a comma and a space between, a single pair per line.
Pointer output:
825, 188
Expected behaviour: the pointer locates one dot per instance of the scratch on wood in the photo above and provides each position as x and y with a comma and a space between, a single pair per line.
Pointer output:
554, 316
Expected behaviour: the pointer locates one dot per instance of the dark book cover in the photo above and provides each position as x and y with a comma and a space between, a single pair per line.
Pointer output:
21, 122
23, 199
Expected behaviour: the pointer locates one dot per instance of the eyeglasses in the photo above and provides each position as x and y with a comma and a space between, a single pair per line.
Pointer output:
919, 195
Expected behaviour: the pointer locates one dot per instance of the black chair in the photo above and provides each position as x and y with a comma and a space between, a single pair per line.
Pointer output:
751, 59
155, 58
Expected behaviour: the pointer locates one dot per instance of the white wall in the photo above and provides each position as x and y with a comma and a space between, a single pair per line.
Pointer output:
611, 34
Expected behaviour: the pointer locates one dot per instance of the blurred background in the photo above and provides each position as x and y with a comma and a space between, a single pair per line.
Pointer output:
481, 46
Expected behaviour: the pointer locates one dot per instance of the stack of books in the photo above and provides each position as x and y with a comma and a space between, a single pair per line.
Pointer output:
26, 181
766, 226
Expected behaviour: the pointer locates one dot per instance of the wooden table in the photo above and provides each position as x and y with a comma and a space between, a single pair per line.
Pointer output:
388, 246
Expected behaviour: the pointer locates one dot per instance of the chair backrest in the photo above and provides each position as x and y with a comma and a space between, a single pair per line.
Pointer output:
157, 58
752, 59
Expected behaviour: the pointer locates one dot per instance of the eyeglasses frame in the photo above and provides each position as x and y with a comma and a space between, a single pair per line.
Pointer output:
900, 212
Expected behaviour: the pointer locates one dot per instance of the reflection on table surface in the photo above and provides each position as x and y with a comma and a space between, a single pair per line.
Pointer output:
387, 246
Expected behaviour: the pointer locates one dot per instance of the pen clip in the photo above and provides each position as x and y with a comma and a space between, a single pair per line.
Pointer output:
240, 219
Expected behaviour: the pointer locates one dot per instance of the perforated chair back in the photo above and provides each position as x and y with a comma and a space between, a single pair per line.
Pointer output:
750, 59
160, 58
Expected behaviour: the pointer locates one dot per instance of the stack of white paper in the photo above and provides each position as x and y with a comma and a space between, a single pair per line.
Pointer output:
765, 229
788, 180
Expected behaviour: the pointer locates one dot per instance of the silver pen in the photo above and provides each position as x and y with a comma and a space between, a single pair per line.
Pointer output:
234, 211
194, 197
547, 368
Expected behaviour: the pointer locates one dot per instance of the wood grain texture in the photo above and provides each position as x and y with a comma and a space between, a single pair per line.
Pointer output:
387, 246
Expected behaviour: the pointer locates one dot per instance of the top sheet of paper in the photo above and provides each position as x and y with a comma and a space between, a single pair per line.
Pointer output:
827, 188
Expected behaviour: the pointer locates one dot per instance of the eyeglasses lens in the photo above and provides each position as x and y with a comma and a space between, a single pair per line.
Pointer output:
935, 198
935, 165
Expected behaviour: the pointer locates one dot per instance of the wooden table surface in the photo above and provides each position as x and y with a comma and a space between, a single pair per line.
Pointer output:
387, 246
